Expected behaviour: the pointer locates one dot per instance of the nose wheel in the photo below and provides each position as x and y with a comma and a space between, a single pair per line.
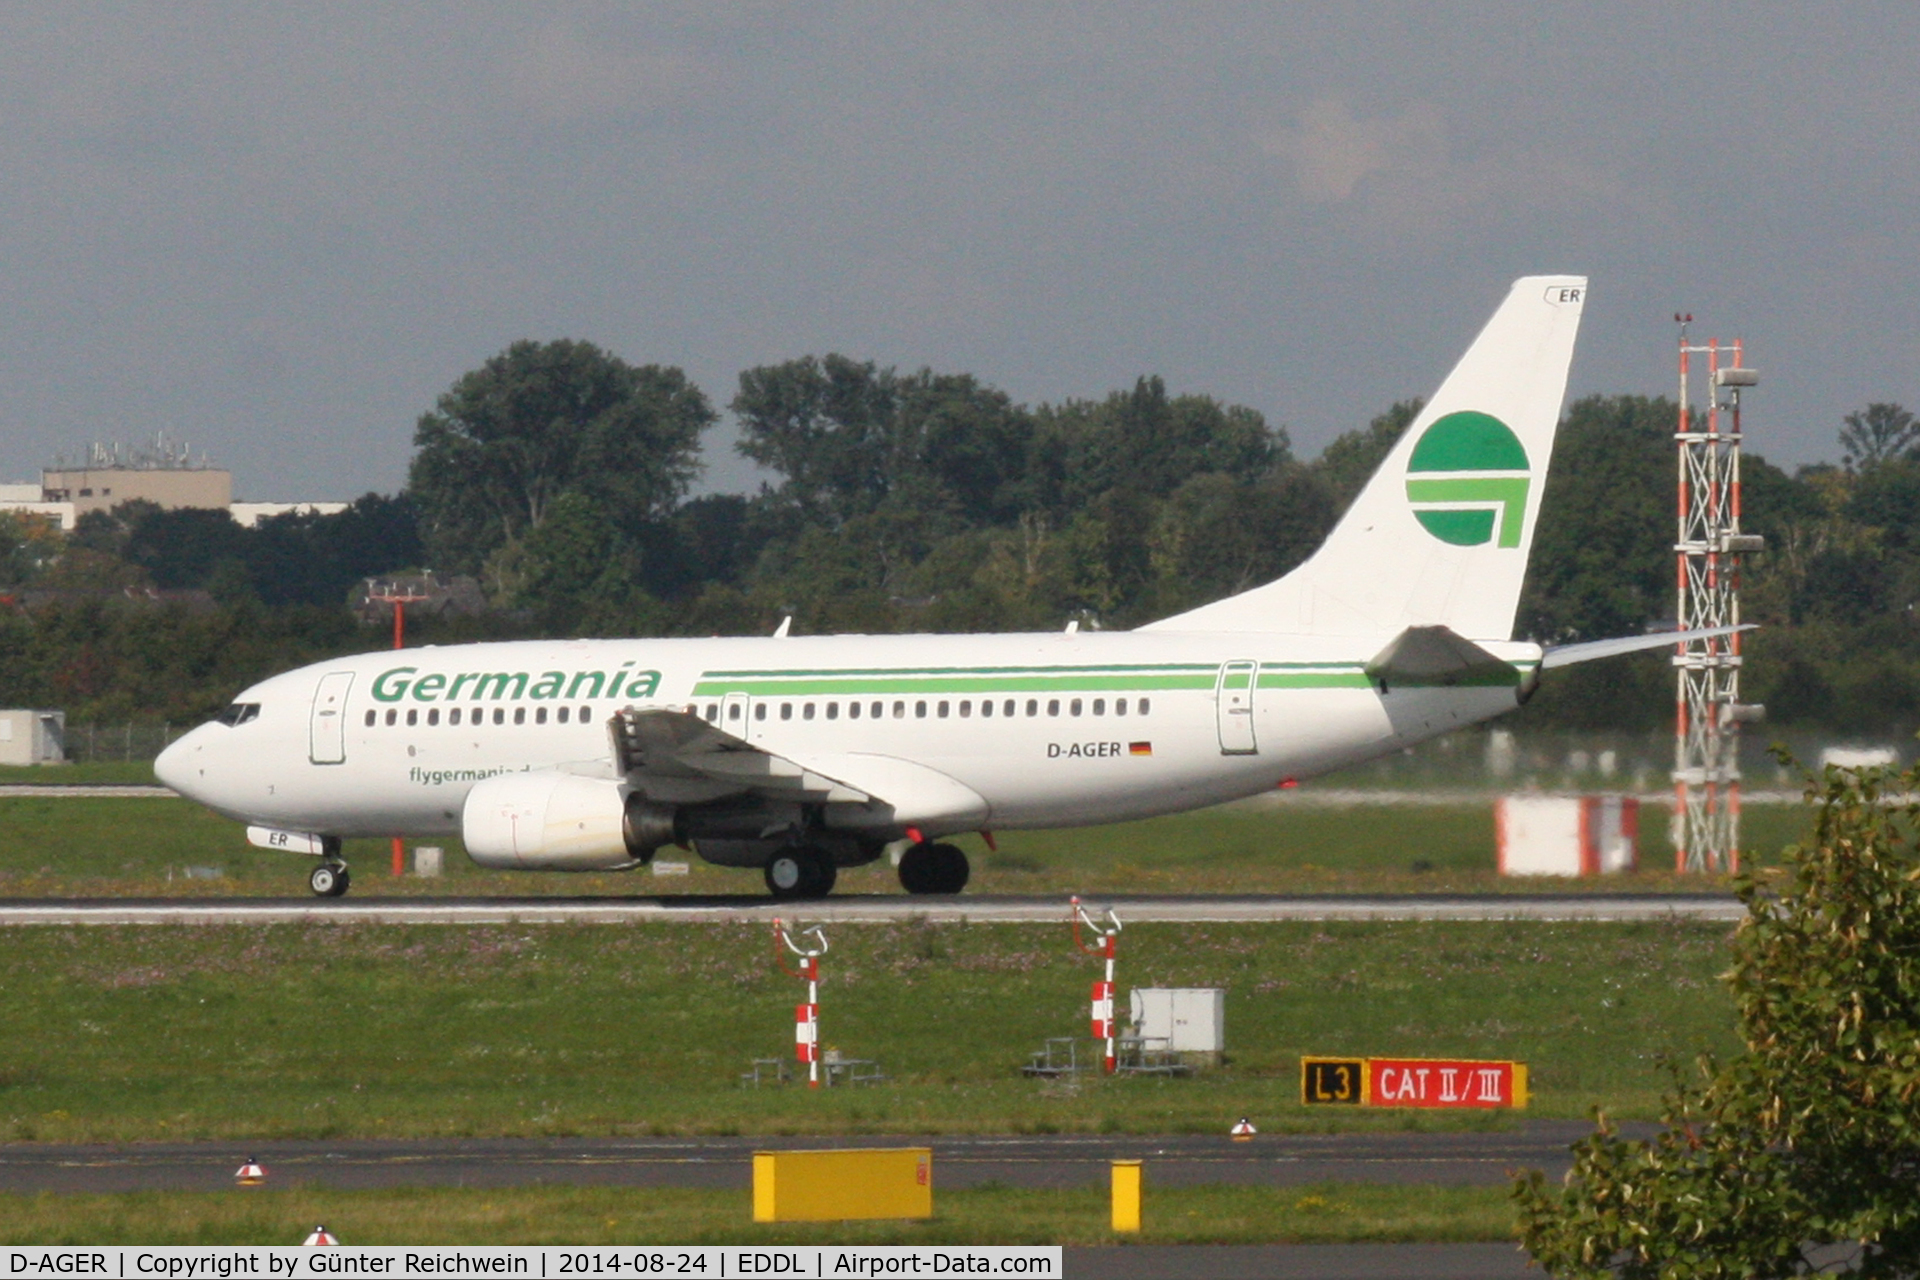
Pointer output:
329, 880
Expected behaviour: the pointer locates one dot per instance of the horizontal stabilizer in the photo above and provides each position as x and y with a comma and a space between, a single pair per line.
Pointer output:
1435, 657
1567, 654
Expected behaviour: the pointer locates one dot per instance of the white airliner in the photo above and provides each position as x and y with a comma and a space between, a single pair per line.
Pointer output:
801, 755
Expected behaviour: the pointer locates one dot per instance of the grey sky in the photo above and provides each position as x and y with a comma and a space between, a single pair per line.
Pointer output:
281, 231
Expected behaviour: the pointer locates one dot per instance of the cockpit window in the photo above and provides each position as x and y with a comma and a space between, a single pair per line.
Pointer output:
238, 713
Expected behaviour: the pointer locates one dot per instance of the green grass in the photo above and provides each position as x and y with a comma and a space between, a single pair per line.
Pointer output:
110, 771
1318, 1214
321, 1030
78, 846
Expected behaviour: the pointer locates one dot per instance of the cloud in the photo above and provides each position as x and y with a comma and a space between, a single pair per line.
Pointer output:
1403, 174
1333, 152
562, 76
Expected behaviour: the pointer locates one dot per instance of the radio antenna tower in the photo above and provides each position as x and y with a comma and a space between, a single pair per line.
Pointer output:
1707, 707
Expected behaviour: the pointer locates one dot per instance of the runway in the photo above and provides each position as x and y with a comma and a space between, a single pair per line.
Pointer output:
1052, 1160
724, 1163
1610, 908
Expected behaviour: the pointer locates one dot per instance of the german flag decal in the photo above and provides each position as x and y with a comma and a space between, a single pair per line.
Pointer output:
1139, 748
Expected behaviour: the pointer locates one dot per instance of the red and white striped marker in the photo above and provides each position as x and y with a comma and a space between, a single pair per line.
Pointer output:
1244, 1131
250, 1174
1102, 1010
1108, 935
320, 1236
806, 1017
806, 1032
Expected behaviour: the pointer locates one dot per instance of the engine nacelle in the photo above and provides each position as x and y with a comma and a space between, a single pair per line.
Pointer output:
559, 822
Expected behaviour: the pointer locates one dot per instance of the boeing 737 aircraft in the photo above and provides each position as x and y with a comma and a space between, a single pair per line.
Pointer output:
798, 756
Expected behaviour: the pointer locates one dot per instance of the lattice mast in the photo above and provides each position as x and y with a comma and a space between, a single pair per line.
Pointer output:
1707, 707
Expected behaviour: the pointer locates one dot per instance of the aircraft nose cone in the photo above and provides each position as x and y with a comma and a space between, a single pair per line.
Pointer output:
174, 766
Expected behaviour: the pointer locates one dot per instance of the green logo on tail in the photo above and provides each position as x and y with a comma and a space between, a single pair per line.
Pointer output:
1467, 481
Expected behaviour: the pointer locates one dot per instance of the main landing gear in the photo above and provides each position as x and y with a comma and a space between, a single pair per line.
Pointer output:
802, 871
329, 879
934, 868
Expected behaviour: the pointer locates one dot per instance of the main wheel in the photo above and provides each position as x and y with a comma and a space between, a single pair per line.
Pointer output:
800, 872
934, 868
329, 880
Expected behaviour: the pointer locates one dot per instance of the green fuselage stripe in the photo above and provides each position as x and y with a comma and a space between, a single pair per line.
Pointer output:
1016, 680
1117, 679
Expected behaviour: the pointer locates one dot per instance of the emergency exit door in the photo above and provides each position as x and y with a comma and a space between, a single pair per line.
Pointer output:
736, 712
327, 732
1233, 698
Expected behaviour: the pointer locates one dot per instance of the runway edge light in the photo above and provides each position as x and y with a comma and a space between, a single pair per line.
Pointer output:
320, 1236
250, 1174
1244, 1130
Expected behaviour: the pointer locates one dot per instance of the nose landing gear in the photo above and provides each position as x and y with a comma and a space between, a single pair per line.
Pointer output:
934, 868
329, 879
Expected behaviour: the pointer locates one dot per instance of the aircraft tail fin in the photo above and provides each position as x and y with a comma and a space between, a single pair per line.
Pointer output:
1440, 534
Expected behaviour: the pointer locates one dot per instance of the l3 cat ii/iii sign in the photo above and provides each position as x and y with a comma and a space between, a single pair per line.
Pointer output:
1412, 1082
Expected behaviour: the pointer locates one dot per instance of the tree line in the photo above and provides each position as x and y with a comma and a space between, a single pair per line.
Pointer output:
557, 477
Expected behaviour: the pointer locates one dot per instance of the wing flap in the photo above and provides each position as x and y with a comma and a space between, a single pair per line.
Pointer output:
664, 750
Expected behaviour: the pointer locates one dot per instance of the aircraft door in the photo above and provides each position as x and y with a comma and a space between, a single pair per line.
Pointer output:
1233, 699
327, 732
735, 715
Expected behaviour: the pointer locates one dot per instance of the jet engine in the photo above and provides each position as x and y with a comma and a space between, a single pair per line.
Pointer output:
546, 821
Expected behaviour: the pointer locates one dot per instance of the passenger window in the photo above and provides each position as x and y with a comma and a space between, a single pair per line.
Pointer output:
966, 709
786, 711
986, 706
560, 715
1073, 708
371, 717
586, 714
712, 713
833, 711
1053, 706
1033, 706
1099, 706
433, 716
806, 712
392, 716
413, 716
877, 709
539, 715
1010, 708
943, 711
853, 711
899, 710
920, 710
733, 711
499, 715
1119, 706
519, 715
1145, 706
453, 716
759, 711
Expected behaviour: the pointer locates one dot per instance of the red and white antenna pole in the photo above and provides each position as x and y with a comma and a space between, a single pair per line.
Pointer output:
1108, 934
399, 597
806, 1017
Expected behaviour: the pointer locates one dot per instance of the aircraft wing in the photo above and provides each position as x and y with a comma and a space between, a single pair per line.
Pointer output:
679, 758
676, 756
